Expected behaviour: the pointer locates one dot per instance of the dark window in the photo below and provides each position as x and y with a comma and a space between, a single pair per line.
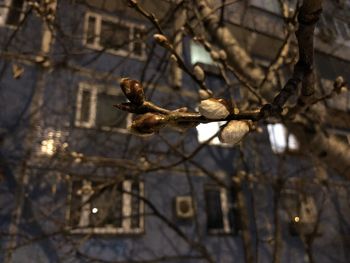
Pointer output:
91, 34
114, 36
97, 205
85, 106
221, 216
214, 209
106, 115
14, 14
342, 27
109, 33
135, 205
138, 45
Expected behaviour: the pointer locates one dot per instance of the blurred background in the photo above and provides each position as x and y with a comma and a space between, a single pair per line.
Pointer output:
77, 186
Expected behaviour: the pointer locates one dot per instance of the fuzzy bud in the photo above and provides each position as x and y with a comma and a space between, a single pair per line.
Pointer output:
214, 108
215, 55
133, 90
205, 94
338, 84
161, 40
234, 132
173, 58
199, 73
148, 123
222, 54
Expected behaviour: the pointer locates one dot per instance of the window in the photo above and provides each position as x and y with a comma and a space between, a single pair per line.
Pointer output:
272, 5
207, 130
333, 29
221, 218
343, 29
11, 12
116, 36
199, 54
301, 211
95, 207
281, 140
95, 108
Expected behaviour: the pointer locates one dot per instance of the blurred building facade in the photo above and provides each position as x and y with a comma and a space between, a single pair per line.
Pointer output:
76, 186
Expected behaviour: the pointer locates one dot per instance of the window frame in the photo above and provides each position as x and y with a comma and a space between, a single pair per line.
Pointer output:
5, 11
94, 90
226, 207
126, 212
96, 45
333, 26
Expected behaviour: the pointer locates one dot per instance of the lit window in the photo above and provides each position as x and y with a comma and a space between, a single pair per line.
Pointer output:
280, 139
199, 54
11, 12
95, 108
301, 211
207, 130
221, 217
100, 209
116, 36
53, 141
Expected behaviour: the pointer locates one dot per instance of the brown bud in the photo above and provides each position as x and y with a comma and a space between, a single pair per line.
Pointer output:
205, 94
161, 40
148, 124
199, 73
222, 54
214, 108
215, 55
133, 90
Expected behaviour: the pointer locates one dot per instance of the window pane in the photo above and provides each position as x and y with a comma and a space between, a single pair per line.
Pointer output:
90, 38
138, 46
135, 205
214, 211
106, 115
85, 106
199, 54
14, 13
232, 216
206, 130
75, 204
270, 5
280, 139
118, 201
114, 36
102, 212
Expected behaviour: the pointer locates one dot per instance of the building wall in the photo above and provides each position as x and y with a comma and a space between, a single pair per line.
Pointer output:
63, 150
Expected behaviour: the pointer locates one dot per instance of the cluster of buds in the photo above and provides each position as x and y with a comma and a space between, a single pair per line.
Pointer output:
218, 109
154, 118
